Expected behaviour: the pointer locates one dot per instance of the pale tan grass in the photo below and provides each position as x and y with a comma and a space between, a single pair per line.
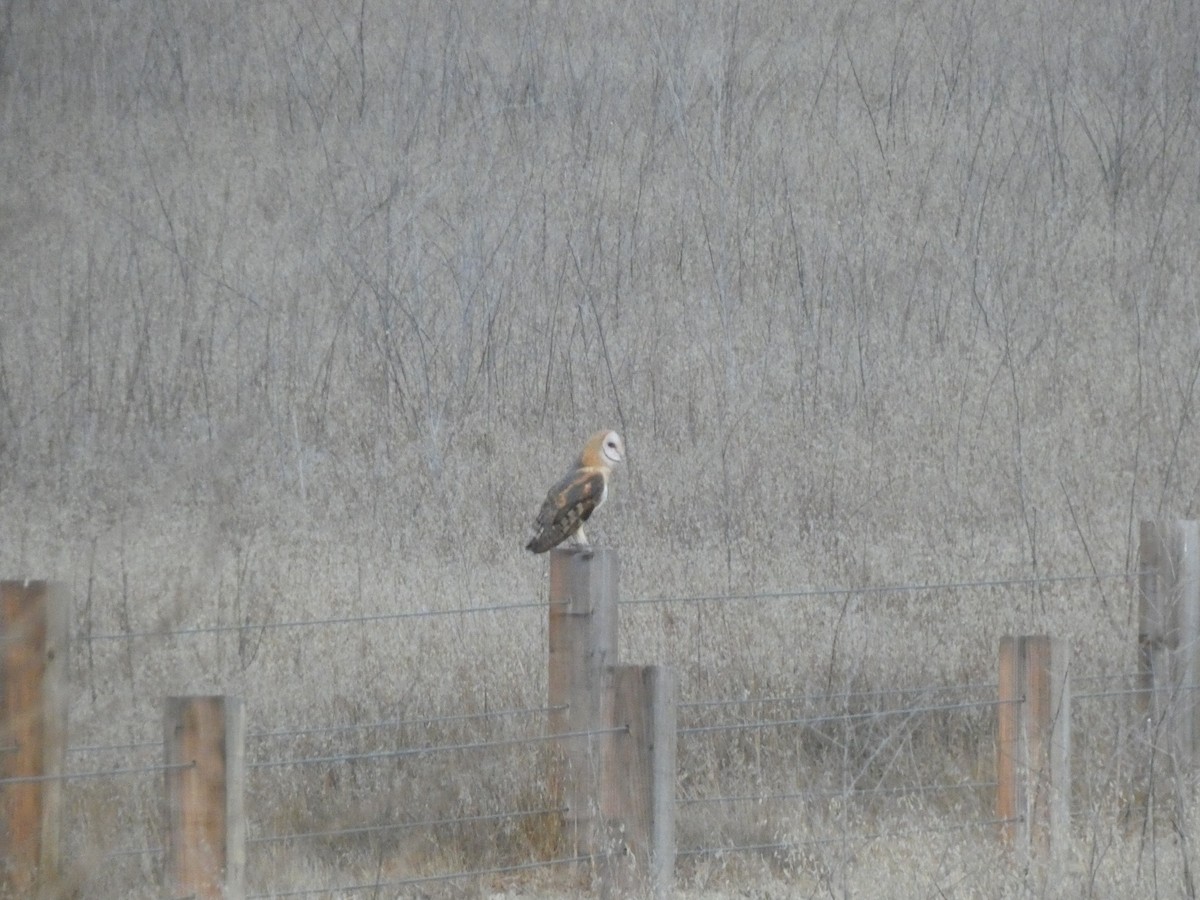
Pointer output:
299, 312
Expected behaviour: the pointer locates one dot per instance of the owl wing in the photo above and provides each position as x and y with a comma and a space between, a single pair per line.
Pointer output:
567, 506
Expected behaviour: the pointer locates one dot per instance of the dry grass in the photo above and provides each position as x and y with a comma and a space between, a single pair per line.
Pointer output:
303, 304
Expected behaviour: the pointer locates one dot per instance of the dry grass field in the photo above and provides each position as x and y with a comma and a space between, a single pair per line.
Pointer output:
303, 304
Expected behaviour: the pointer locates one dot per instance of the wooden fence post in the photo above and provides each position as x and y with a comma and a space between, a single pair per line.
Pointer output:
582, 633
1033, 759
1168, 628
204, 738
34, 630
638, 790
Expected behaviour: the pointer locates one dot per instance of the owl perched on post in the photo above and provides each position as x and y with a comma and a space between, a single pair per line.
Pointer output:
578, 494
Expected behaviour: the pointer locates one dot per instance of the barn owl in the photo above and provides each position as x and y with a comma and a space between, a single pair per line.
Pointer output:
578, 494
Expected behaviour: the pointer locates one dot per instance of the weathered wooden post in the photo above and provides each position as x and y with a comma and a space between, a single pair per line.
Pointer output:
1168, 628
1033, 758
614, 771
582, 636
638, 791
34, 626
204, 738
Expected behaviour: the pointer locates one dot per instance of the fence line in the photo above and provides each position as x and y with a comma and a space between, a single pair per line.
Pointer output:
444, 748
104, 748
840, 717
841, 695
776, 846
844, 838
427, 879
400, 826
313, 623
105, 773
804, 593
1112, 676
403, 723
901, 588
835, 792
597, 682
1137, 691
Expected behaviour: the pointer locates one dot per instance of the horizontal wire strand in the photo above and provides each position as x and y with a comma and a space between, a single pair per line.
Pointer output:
840, 717
846, 695
1133, 692
78, 776
543, 604
315, 623
425, 879
399, 826
846, 838
402, 723
835, 792
915, 588
421, 751
104, 748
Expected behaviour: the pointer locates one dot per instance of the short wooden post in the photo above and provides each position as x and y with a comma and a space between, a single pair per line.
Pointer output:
204, 738
583, 641
34, 628
638, 790
1033, 759
1168, 629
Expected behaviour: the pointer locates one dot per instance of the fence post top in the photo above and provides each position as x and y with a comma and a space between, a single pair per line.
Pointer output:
585, 555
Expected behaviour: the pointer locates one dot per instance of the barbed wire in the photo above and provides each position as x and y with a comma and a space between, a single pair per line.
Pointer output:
1126, 692
426, 879
777, 846
108, 773
902, 588
697, 704
801, 593
844, 695
840, 717
402, 723
1134, 691
400, 826
316, 623
422, 751
103, 748
838, 792
1115, 676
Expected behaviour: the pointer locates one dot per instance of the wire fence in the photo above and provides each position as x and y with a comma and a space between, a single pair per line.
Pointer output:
541, 605
876, 735
429, 879
103, 773
855, 837
423, 722
508, 815
258, 839
526, 740
840, 717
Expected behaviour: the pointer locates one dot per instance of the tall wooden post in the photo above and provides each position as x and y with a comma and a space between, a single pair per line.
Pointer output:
34, 626
638, 792
204, 738
1033, 759
583, 641
1168, 629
